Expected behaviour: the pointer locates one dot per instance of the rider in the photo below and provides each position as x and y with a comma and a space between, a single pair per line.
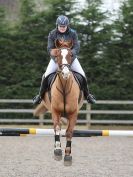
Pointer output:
63, 31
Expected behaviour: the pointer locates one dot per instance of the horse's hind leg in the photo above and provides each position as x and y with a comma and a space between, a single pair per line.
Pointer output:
57, 129
40, 109
69, 133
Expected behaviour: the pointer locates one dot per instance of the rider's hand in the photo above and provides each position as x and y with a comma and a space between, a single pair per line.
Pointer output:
53, 52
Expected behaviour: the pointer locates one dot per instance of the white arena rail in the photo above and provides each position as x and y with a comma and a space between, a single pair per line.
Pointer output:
88, 113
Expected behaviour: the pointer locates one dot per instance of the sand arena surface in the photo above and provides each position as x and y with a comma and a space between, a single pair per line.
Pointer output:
92, 157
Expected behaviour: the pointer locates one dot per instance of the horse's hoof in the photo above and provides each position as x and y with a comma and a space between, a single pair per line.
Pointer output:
67, 160
58, 154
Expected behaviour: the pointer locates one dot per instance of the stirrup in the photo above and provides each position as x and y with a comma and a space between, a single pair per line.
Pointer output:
91, 99
37, 100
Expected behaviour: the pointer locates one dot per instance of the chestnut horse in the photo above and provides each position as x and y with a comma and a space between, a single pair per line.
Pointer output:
65, 94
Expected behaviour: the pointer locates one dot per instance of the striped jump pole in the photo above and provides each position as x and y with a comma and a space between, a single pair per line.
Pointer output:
50, 132
26, 131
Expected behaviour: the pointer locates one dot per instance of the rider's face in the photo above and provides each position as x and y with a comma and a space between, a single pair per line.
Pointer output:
62, 29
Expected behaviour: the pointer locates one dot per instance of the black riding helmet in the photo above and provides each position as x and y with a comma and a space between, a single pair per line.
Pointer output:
62, 21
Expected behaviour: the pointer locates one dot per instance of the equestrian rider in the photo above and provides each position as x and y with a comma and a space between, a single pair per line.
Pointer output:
63, 31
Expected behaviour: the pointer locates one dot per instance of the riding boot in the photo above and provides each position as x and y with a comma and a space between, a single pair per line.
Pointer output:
43, 88
88, 96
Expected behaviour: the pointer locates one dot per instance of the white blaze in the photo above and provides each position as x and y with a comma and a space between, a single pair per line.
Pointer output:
65, 70
64, 53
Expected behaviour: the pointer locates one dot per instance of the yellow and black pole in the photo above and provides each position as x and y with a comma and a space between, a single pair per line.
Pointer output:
50, 132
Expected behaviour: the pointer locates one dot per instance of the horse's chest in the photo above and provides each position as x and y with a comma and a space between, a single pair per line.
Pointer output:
68, 106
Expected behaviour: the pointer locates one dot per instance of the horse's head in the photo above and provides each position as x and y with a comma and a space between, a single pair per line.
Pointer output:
64, 57
64, 60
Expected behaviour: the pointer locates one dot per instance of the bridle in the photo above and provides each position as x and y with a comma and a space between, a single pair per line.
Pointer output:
65, 67
61, 66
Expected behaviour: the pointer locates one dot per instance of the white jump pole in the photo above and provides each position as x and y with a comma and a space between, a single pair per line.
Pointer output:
50, 132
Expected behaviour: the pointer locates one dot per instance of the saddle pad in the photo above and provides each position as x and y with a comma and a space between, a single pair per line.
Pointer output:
51, 79
79, 79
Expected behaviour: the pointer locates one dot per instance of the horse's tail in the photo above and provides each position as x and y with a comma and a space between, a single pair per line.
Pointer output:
40, 109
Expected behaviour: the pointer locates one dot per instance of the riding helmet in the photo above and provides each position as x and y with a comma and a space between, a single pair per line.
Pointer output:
62, 21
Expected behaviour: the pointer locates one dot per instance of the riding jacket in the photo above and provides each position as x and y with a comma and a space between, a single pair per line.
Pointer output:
70, 34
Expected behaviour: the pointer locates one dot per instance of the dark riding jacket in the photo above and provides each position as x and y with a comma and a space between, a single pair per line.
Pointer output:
70, 34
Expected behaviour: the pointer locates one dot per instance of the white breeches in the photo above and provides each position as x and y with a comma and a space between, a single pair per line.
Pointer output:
52, 67
77, 67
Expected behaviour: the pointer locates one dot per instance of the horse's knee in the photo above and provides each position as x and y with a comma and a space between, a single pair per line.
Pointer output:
69, 134
57, 127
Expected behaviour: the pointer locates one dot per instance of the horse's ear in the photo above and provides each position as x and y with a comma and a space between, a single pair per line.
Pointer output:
63, 43
70, 44
57, 43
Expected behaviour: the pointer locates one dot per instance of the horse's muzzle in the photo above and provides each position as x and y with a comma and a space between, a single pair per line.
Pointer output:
65, 73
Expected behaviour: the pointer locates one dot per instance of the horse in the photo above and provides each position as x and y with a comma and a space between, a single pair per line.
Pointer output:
64, 99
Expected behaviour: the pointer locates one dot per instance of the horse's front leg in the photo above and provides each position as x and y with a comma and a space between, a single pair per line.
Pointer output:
69, 133
57, 129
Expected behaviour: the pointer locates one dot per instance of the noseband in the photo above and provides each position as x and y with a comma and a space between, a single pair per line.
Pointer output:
61, 66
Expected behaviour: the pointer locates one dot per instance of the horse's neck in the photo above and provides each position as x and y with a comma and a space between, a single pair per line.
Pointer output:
64, 84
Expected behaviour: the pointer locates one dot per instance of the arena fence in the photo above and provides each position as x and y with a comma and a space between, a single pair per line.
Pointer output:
88, 111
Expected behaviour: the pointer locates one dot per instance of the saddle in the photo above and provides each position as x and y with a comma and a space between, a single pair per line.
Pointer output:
78, 77
50, 80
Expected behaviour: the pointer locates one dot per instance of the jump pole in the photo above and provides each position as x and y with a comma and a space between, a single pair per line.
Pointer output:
50, 132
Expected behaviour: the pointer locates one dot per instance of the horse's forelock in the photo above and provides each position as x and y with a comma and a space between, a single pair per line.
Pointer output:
63, 43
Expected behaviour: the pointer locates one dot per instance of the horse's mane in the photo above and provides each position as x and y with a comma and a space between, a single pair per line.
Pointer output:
60, 43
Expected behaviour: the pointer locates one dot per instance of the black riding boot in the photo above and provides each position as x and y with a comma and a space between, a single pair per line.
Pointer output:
89, 97
37, 99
